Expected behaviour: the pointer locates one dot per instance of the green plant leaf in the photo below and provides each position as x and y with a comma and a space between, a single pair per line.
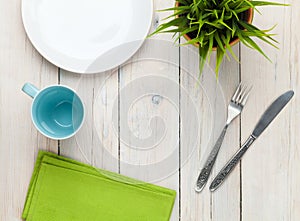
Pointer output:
219, 59
250, 43
214, 23
242, 9
210, 46
235, 14
211, 32
186, 31
220, 44
192, 41
214, 2
252, 28
224, 2
175, 14
264, 3
234, 28
224, 24
253, 31
203, 51
163, 28
179, 8
226, 41
184, 2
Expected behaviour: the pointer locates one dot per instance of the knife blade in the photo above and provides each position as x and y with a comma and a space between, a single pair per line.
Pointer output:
268, 116
272, 111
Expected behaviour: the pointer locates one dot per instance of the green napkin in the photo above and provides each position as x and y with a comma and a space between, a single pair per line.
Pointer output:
62, 189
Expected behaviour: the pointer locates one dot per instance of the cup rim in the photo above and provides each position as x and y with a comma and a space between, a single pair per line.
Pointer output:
46, 135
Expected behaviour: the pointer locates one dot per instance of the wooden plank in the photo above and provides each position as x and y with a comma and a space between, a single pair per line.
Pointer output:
20, 141
224, 203
199, 124
96, 141
226, 200
270, 169
270, 180
149, 112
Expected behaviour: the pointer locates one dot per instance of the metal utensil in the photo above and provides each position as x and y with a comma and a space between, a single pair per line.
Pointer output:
235, 107
268, 116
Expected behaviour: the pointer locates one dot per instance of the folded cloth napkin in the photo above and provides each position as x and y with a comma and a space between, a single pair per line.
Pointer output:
62, 189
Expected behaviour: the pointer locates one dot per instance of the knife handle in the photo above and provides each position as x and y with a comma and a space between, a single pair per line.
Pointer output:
206, 170
226, 170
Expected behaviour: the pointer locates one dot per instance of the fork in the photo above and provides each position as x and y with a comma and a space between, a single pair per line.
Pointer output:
235, 108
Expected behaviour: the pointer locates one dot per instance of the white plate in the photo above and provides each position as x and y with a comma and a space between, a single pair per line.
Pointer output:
87, 36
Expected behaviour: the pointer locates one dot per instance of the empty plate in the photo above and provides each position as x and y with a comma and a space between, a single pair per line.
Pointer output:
87, 36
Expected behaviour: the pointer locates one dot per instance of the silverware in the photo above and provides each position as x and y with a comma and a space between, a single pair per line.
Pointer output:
235, 107
268, 116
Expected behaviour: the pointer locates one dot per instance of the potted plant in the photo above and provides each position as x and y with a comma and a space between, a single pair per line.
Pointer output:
216, 25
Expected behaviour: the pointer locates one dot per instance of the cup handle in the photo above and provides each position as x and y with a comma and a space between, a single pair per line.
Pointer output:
30, 90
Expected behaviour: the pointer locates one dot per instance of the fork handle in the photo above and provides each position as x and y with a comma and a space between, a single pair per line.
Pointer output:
230, 165
206, 170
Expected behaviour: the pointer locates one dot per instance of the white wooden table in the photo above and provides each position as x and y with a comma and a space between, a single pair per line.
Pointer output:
264, 186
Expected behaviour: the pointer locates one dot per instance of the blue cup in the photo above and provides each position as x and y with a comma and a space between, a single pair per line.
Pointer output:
56, 111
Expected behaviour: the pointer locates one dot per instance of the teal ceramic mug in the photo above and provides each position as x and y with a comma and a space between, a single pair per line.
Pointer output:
56, 111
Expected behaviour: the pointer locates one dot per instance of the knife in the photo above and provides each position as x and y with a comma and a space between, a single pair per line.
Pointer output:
268, 116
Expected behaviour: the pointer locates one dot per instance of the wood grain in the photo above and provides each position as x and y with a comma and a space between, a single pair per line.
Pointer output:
20, 141
265, 186
96, 142
225, 202
270, 184
149, 132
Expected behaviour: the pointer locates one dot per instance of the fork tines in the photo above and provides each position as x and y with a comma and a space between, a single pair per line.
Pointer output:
241, 94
